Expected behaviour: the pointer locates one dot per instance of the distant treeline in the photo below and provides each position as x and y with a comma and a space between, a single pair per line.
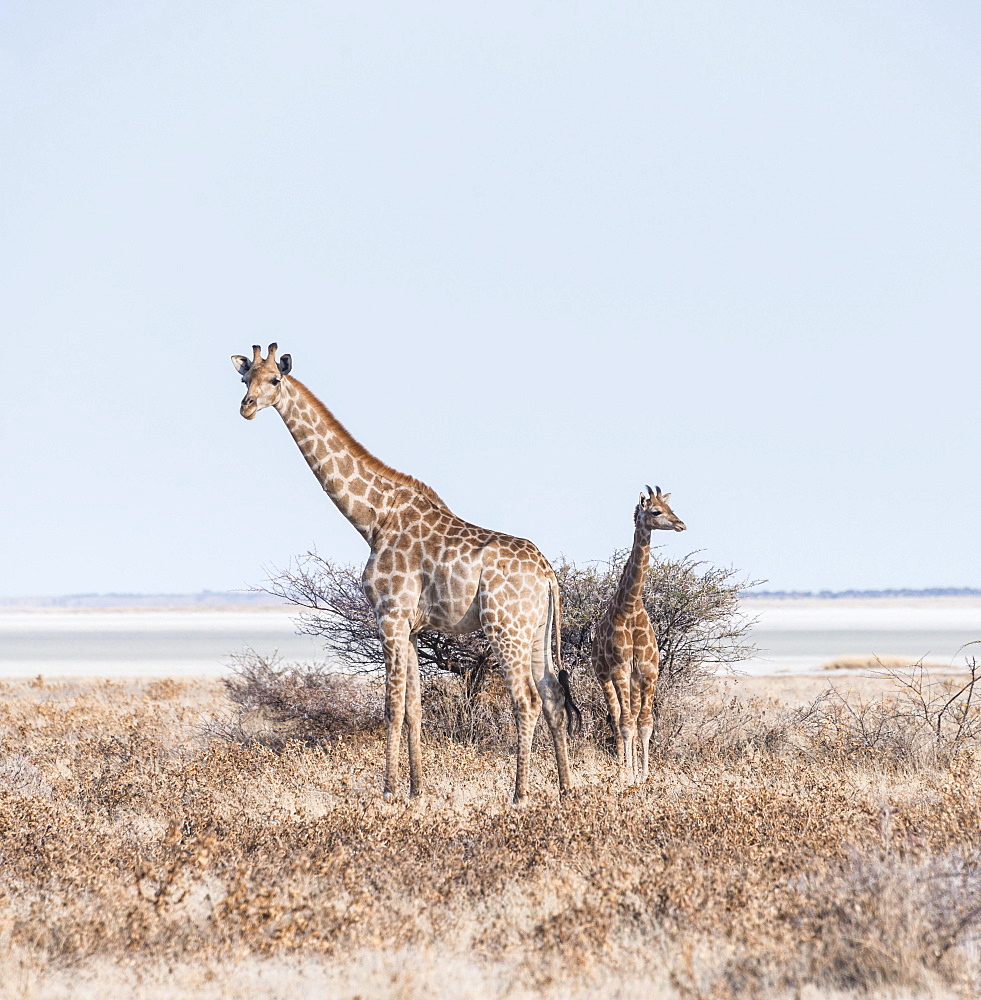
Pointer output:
228, 598
835, 594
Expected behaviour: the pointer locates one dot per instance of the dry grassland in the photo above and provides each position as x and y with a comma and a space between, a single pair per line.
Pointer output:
148, 850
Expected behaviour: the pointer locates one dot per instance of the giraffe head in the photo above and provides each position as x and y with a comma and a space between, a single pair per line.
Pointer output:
654, 514
262, 378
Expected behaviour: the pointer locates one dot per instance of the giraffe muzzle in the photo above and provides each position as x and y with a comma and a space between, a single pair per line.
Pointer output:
248, 408
680, 526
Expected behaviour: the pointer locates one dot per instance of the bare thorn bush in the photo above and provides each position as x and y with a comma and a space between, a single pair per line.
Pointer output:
694, 607
334, 610
928, 721
925, 723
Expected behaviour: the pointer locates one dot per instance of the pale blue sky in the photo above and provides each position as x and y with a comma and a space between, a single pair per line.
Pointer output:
535, 254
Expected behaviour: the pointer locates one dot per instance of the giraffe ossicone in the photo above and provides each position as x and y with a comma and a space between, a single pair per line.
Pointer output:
625, 655
429, 569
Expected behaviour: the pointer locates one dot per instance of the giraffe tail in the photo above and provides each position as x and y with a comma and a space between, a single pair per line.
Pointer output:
572, 714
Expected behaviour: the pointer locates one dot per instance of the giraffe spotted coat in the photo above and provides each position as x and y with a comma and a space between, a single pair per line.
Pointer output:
624, 653
428, 569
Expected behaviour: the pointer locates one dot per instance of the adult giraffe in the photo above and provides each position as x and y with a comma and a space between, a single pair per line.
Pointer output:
625, 654
428, 569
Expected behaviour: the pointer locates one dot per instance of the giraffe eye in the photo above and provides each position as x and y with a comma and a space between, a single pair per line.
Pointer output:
276, 381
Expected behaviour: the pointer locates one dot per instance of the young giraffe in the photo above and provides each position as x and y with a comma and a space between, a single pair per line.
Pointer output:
625, 654
428, 569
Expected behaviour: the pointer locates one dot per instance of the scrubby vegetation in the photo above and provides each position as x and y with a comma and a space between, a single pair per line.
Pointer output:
217, 840
693, 605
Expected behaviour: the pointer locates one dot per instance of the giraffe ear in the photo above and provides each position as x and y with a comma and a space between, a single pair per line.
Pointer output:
643, 500
286, 364
242, 365
665, 497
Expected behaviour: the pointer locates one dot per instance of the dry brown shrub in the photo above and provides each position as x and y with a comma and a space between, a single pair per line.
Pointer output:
877, 921
276, 702
469, 708
867, 662
165, 689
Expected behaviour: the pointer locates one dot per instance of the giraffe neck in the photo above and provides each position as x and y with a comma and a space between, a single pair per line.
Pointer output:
630, 591
363, 488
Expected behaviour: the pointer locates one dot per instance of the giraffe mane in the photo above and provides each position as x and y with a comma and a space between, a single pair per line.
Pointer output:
361, 452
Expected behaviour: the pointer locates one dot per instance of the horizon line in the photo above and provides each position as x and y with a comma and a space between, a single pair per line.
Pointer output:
226, 597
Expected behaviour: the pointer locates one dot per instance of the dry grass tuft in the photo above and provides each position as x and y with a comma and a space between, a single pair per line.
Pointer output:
873, 662
775, 852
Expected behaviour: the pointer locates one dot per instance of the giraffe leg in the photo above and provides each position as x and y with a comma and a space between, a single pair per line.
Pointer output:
644, 732
628, 727
629, 752
645, 719
553, 705
646, 668
636, 700
413, 718
644, 727
613, 715
395, 642
526, 703
527, 707
514, 653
